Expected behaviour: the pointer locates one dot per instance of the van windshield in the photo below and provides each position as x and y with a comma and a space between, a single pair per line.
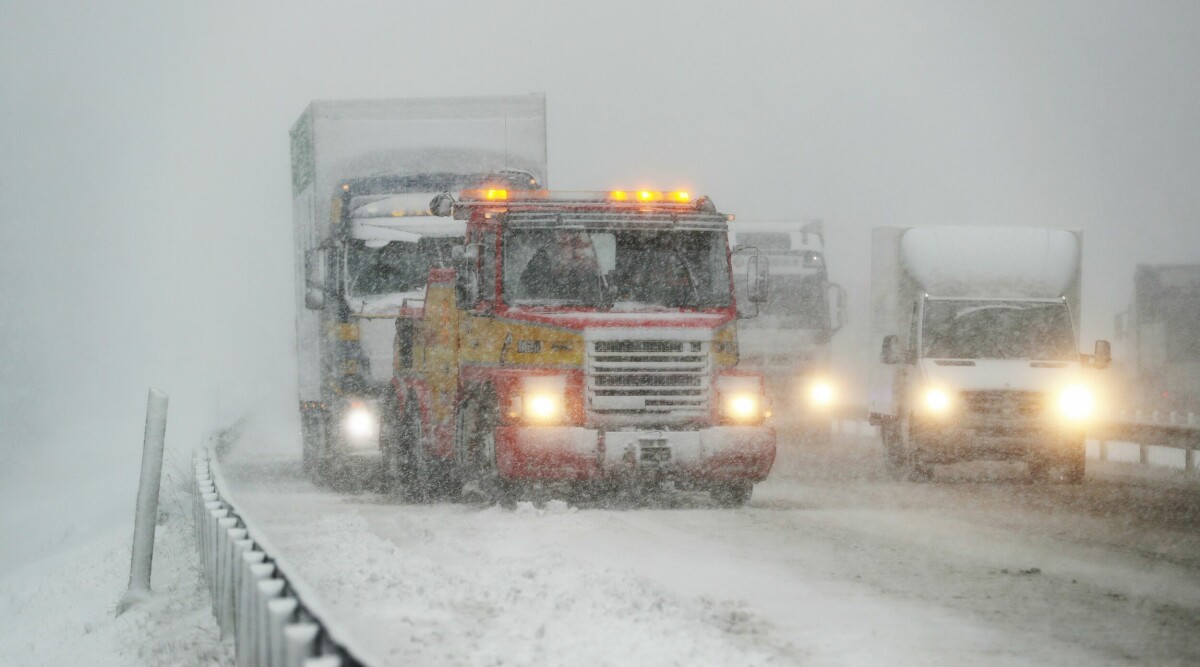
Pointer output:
998, 330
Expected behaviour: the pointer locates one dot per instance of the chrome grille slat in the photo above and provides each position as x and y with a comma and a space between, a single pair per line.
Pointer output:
669, 378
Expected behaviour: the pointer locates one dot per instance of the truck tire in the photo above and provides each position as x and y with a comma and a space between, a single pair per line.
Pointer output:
475, 452
1075, 465
894, 457
408, 450
395, 470
732, 494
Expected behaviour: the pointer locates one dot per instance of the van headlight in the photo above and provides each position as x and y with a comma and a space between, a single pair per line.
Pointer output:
1076, 403
360, 423
936, 401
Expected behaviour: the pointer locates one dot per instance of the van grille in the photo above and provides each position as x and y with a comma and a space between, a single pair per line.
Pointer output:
649, 377
1005, 404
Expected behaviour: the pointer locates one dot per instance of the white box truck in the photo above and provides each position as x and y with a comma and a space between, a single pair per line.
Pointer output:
363, 175
974, 336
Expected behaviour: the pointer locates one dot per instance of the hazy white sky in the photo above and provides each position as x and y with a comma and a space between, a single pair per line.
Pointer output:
145, 193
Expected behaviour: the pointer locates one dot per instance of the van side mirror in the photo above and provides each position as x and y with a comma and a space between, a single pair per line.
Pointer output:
891, 353
758, 274
1102, 358
314, 279
837, 307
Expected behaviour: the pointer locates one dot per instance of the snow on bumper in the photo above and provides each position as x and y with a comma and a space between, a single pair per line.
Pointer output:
567, 453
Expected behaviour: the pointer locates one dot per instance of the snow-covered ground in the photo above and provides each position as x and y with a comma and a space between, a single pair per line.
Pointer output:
833, 564
61, 609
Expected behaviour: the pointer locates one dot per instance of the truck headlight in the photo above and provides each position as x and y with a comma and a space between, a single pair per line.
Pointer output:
935, 401
543, 399
360, 423
741, 399
1076, 402
820, 394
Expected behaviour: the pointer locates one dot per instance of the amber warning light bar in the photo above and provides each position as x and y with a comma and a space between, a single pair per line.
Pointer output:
630, 196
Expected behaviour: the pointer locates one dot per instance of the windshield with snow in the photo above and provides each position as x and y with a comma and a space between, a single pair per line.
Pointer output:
998, 330
619, 269
397, 267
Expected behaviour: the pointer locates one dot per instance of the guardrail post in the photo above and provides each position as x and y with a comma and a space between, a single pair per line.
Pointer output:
234, 537
299, 643
256, 572
282, 612
146, 513
268, 590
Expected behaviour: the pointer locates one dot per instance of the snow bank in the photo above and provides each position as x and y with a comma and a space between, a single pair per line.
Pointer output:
60, 610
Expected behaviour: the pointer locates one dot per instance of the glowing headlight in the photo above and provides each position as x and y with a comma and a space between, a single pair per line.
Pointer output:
1076, 402
743, 407
543, 398
543, 407
936, 400
359, 422
820, 394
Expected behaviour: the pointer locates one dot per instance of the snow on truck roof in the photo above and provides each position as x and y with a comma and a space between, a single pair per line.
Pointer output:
1029, 262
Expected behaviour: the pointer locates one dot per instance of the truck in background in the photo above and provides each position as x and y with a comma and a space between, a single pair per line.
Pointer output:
789, 339
585, 340
975, 344
1162, 327
363, 174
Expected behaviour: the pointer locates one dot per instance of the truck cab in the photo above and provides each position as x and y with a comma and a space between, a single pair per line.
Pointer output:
581, 339
788, 338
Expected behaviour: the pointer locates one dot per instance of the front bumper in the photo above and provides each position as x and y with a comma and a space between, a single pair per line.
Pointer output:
995, 439
565, 453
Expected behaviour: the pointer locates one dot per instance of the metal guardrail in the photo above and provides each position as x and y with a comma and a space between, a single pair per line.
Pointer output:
1173, 430
275, 619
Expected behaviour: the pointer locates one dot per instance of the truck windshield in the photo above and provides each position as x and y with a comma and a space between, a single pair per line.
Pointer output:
619, 269
793, 302
998, 330
397, 267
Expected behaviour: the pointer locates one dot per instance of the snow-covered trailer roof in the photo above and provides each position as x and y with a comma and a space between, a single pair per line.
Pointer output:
997, 262
338, 140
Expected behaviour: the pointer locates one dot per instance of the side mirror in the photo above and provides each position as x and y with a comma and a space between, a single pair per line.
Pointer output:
442, 205
837, 307
758, 274
1102, 358
891, 353
466, 278
314, 299
314, 279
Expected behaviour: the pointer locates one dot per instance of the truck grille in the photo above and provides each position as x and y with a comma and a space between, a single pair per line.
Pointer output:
1005, 404
649, 377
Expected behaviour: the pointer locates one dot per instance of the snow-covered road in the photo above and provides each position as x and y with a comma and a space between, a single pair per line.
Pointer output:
835, 565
